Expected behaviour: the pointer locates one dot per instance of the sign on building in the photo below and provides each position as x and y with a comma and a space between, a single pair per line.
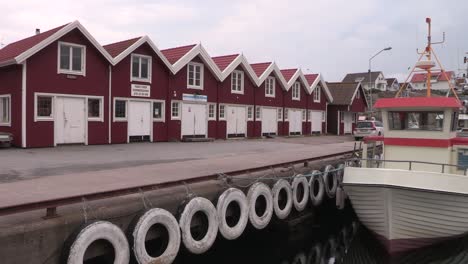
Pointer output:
141, 90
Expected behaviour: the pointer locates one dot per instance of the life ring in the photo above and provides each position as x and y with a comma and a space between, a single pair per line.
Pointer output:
260, 211
282, 205
315, 254
340, 198
94, 231
236, 198
150, 218
330, 180
300, 191
203, 208
316, 188
340, 172
300, 258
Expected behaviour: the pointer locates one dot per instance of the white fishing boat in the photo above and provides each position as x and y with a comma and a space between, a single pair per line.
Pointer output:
416, 192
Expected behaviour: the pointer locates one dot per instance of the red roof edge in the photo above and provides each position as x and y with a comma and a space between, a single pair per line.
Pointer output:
415, 102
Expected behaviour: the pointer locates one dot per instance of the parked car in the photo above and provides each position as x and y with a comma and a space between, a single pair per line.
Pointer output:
368, 128
5, 139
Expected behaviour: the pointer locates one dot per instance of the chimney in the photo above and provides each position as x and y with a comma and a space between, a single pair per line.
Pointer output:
38, 31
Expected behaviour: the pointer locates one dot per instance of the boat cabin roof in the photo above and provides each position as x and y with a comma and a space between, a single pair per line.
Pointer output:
417, 102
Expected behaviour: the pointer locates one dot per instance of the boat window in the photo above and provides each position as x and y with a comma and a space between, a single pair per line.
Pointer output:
462, 162
454, 121
432, 121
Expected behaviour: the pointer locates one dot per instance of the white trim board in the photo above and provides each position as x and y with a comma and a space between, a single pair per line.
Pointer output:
197, 50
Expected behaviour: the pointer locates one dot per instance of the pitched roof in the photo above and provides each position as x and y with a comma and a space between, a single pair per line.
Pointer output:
12, 50
342, 92
260, 68
114, 49
175, 54
421, 77
311, 77
390, 81
288, 74
361, 77
224, 61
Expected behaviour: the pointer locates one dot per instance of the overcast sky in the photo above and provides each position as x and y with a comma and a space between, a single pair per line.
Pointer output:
332, 37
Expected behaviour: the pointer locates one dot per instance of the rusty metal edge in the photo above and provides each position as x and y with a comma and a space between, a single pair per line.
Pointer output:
26, 207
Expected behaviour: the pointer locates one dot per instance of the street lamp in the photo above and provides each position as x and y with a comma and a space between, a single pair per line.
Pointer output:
370, 75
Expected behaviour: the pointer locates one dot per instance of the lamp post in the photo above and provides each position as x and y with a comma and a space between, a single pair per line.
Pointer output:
370, 75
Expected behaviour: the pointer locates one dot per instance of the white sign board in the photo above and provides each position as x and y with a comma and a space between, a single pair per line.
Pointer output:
141, 90
194, 97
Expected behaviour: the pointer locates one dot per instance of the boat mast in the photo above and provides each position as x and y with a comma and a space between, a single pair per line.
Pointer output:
428, 55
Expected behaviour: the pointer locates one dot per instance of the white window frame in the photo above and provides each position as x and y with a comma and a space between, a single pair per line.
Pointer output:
324, 116
279, 114
100, 118
163, 111
270, 85
9, 109
304, 115
250, 113
179, 109
214, 112
317, 94
120, 119
235, 75
296, 91
258, 113
139, 79
193, 86
286, 114
52, 110
222, 109
83, 59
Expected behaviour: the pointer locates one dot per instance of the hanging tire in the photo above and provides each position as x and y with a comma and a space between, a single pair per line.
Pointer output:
207, 209
340, 198
316, 188
261, 218
282, 187
330, 180
315, 254
94, 231
227, 198
300, 198
150, 218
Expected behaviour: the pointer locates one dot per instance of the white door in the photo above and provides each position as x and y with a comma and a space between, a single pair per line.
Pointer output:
236, 121
269, 121
139, 119
316, 121
295, 122
70, 120
348, 122
194, 120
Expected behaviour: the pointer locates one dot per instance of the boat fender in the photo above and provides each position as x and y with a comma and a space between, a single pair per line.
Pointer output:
330, 180
198, 204
300, 199
300, 258
329, 250
340, 198
340, 173
316, 188
315, 254
282, 185
140, 230
91, 232
232, 195
256, 190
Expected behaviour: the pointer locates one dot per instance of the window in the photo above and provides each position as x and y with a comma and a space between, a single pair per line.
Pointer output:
71, 58
120, 109
94, 108
341, 113
211, 112
358, 94
324, 116
454, 121
5, 110
280, 114
304, 115
44, 106
258, 113
222, 112
462, 162
270, 83
237, 82
296, 91
158, 112
175, 110
141, 68
286, 112
250, 113
195, 75
317, 94
432, 121
354, 117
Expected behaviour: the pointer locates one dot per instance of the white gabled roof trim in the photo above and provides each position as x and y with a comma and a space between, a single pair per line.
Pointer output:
240, 60
275, 69
137, 44
189, 56
320, 80
299, 75
54, 37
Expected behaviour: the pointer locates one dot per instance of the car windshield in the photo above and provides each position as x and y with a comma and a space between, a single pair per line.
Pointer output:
364, 125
